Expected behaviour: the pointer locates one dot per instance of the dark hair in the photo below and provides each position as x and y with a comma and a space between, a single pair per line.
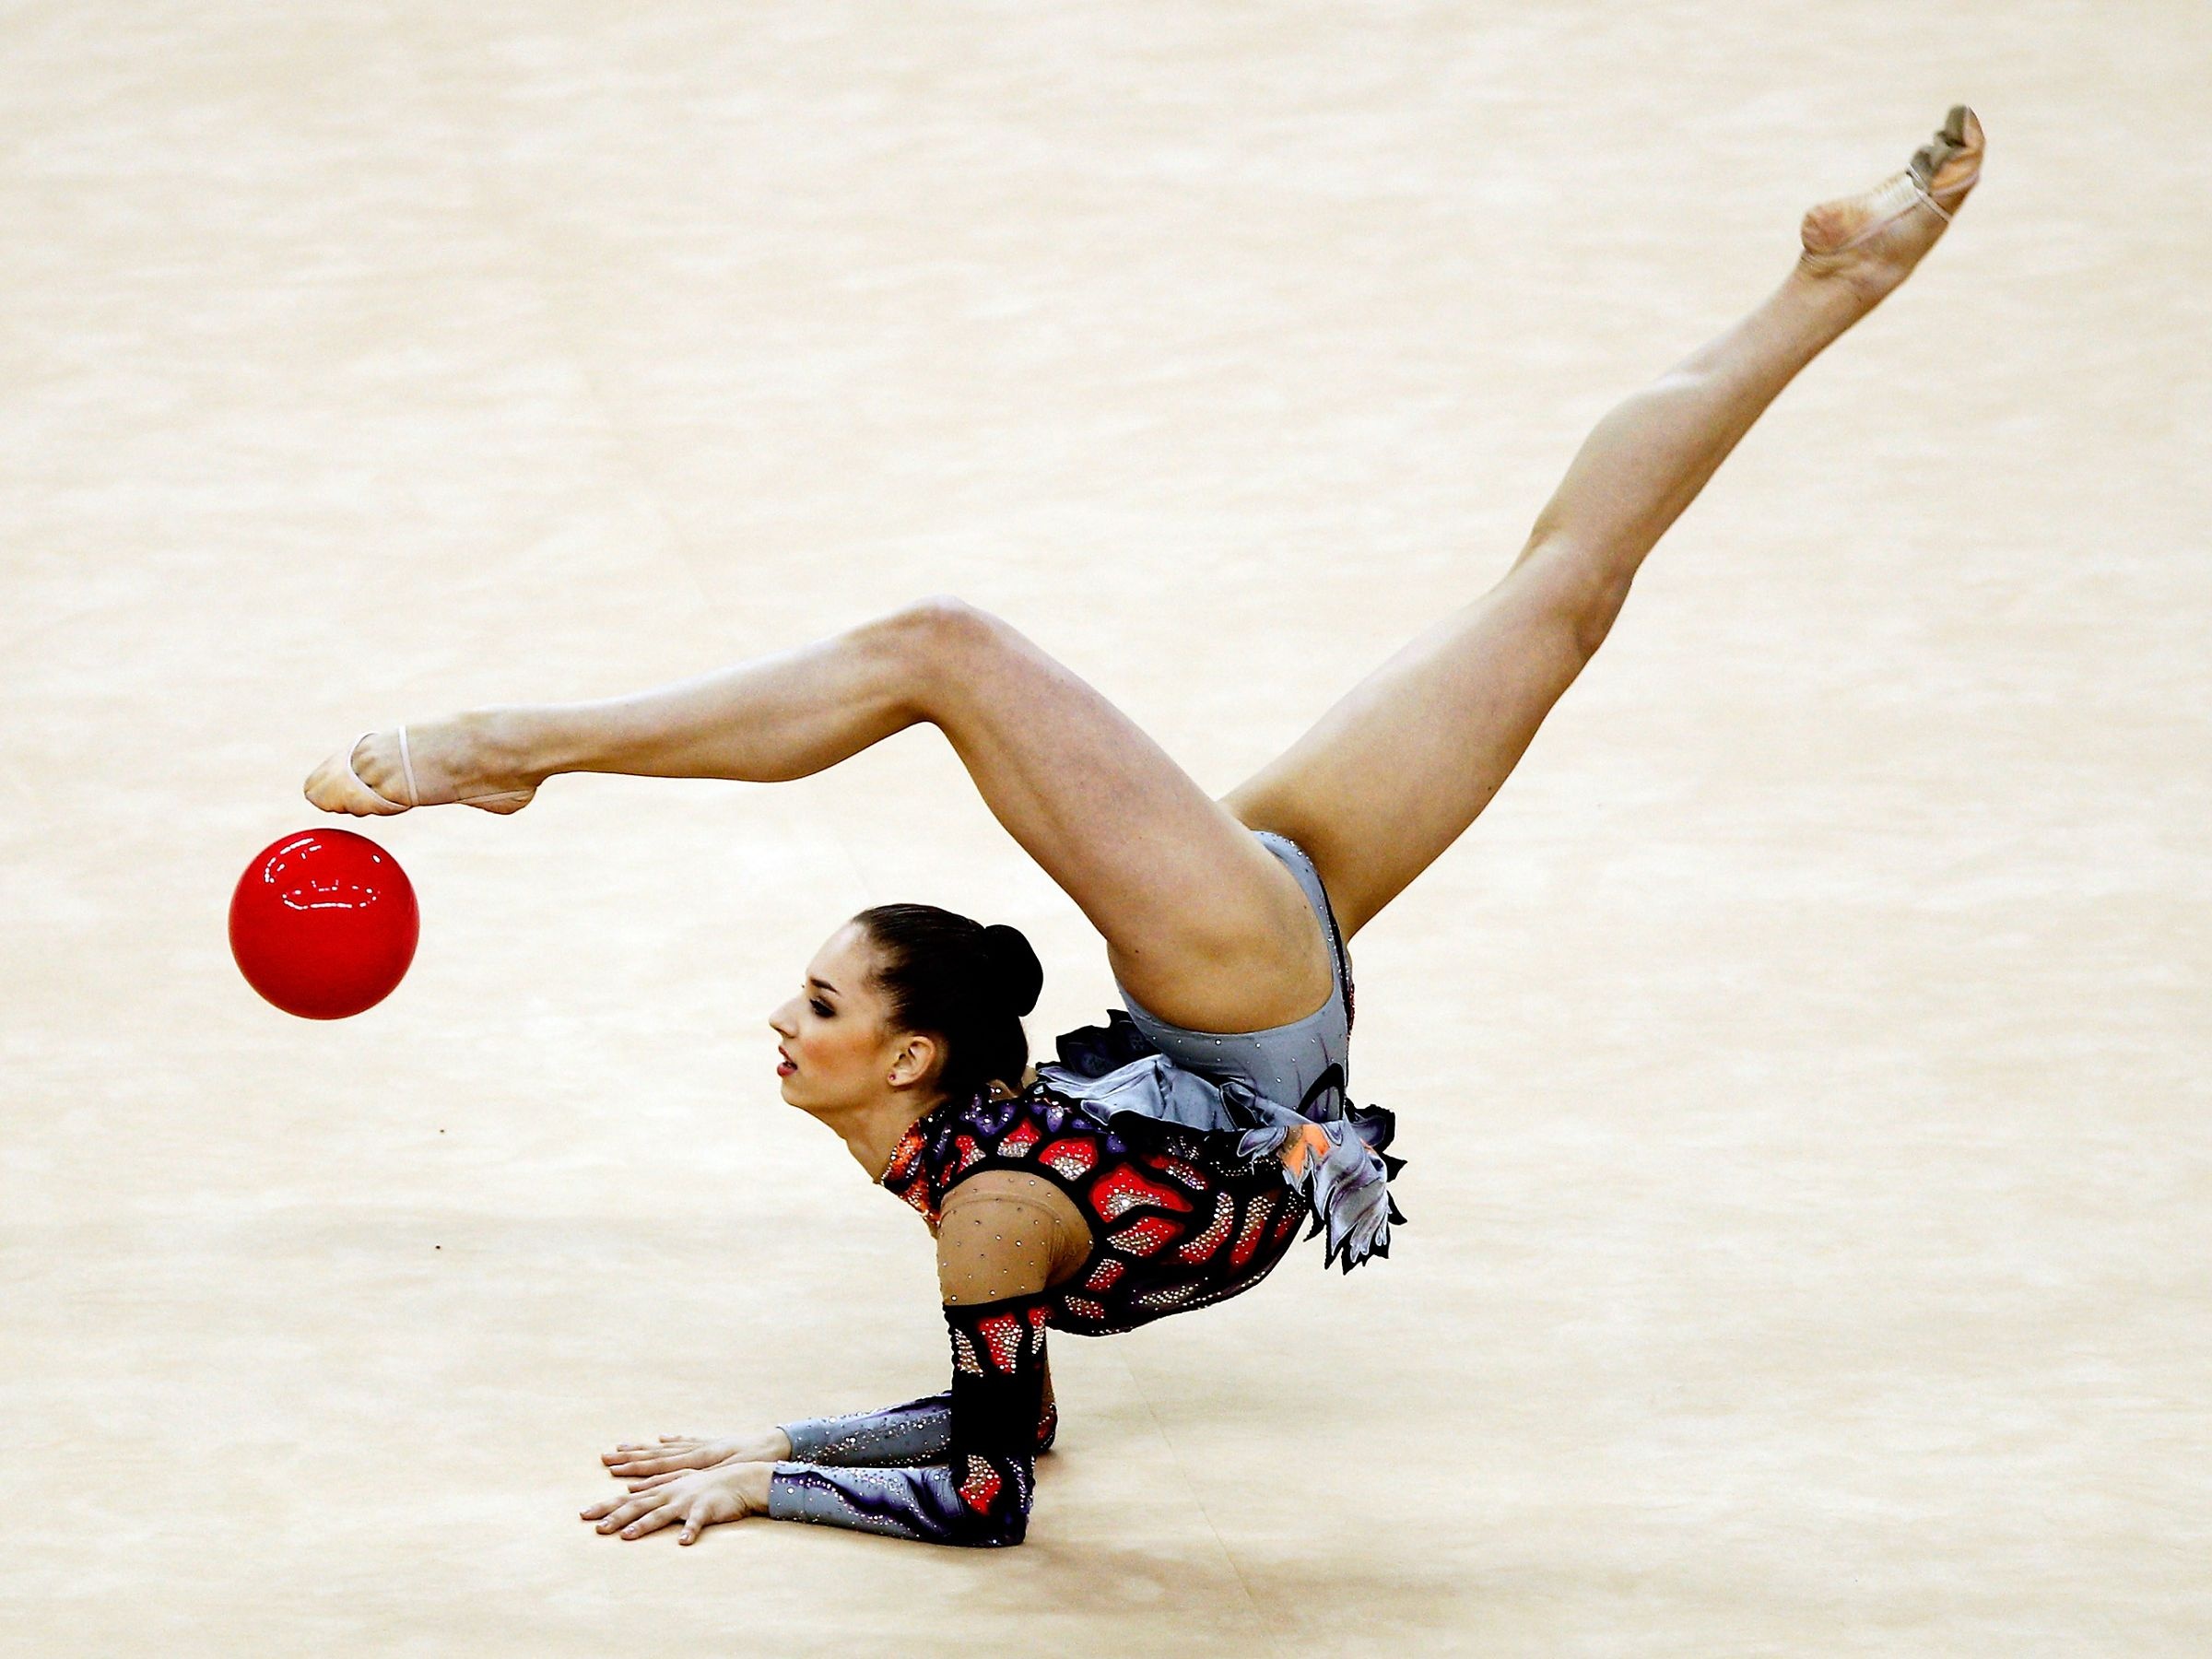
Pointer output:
964, 983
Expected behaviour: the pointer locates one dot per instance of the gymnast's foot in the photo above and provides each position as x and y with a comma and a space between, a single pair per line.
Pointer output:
1872, 240
467, 758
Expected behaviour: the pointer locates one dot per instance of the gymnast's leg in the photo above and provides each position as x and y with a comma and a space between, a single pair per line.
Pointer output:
1203, 925
1393, 773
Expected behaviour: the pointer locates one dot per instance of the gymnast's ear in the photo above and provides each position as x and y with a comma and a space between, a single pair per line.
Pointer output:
916, 1058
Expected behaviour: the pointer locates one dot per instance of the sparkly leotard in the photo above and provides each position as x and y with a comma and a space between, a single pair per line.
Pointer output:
1174, 1224
1193, 1167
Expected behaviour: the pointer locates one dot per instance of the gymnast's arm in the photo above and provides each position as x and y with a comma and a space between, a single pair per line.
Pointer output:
919, 1432
998, 1250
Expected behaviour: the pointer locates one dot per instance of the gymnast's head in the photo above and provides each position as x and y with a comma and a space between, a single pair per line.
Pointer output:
904, 1006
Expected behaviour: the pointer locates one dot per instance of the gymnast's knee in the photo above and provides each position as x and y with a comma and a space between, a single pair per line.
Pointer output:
933, 630
944, 619
1581, 591
1595, 613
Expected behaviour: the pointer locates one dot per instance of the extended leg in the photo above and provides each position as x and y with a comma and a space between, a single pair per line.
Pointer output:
1394, 773
1202, 924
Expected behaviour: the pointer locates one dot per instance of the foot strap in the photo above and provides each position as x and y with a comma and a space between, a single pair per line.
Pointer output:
407, 766
371, 789
1897, 197
1932, 157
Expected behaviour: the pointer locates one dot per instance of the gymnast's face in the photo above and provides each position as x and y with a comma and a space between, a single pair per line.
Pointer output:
838, 1048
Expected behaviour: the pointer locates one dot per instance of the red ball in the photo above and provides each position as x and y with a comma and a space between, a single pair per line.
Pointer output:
324, 923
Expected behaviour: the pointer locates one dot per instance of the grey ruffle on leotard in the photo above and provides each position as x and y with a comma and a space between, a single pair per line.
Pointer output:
1263, 1087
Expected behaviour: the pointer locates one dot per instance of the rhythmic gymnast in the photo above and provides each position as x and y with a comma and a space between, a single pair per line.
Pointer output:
1165, 1159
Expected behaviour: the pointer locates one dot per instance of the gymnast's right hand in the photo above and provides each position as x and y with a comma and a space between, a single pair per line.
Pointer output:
635, 1460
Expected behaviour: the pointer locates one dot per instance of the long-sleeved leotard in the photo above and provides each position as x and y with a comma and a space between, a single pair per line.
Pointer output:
958, 1468
1176, 1219
918, 1431
980, 1493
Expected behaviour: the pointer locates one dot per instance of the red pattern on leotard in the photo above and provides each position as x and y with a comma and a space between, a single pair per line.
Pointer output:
1160, 1213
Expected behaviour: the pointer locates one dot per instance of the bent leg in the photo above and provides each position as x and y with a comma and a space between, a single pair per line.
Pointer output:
1203, 925
1398, 770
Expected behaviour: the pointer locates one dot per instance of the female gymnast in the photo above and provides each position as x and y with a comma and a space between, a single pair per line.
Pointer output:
1165, 1159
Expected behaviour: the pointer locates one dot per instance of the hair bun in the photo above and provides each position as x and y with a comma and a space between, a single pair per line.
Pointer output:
1020, 976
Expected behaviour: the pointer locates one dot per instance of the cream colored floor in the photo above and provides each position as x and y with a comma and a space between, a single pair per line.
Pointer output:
1802, 1067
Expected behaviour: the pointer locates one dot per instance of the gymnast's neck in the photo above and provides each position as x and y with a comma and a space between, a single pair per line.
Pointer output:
873, 1129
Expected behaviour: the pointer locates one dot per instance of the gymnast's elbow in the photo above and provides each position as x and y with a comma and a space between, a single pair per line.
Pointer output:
993, 1509
993, 1531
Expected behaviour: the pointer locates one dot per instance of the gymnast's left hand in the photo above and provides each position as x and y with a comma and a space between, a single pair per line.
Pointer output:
698, 1498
